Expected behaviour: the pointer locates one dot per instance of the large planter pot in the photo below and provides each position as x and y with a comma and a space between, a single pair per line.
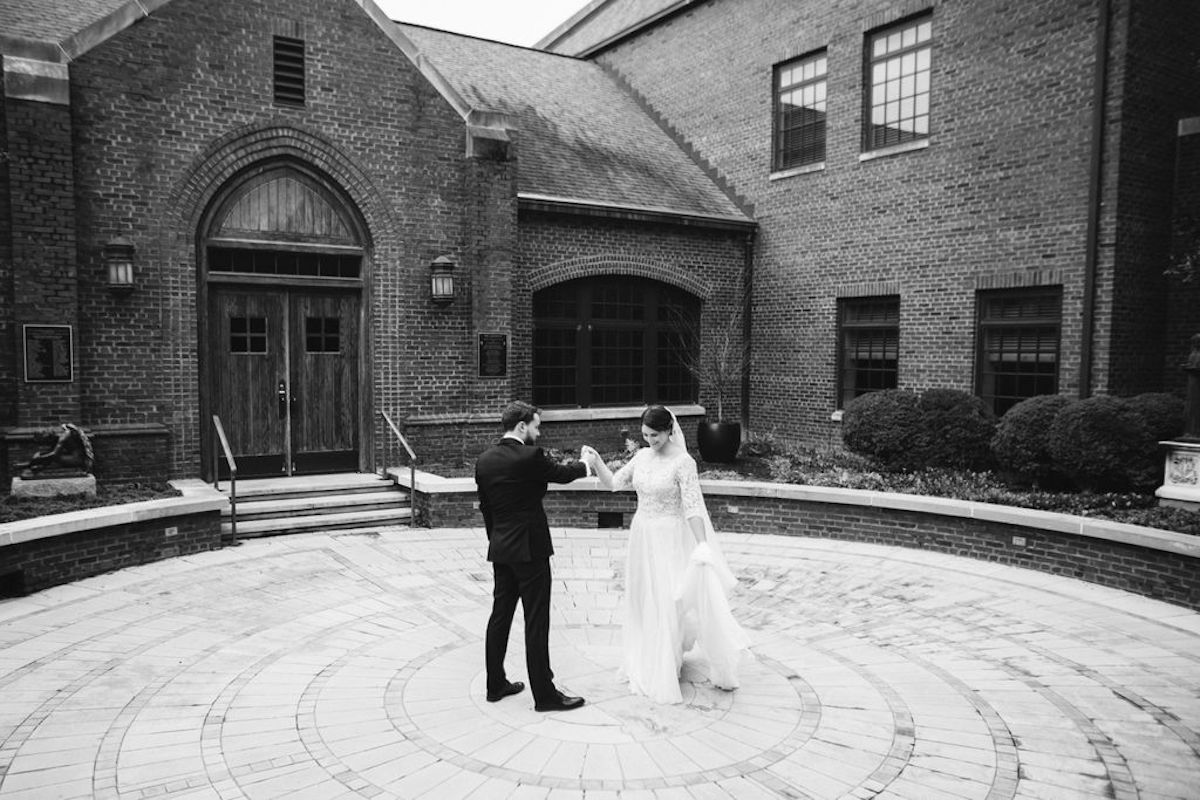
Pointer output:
719, 441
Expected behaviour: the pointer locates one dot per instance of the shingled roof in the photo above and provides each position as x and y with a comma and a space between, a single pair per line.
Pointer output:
53, 20
580, 136
582, 140
603, 21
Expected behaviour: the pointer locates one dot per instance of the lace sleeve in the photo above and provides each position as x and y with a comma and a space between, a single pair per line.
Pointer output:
623, 478
690, 497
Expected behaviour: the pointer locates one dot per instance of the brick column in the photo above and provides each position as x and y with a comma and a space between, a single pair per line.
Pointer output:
39, 261
42, 218
491, 251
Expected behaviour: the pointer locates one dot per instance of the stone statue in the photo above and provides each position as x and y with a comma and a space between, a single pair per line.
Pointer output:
71, 456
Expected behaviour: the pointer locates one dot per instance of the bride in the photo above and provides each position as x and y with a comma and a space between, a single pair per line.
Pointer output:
676, 580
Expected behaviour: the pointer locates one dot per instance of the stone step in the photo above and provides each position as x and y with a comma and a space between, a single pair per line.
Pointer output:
307, 486
306, 505
277, 526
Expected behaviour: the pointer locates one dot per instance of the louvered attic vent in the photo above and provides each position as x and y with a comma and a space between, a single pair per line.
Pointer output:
289, 71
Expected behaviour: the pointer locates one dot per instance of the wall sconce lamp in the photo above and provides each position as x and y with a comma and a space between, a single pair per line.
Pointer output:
441, 277
118, 258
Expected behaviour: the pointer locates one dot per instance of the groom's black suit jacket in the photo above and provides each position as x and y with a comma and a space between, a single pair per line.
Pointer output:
511, 478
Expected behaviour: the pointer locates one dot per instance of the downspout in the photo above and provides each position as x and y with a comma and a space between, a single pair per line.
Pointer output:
747, 305
1099, 81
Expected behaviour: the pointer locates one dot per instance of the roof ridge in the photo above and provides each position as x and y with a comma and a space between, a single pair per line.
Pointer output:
530, 48
684, 144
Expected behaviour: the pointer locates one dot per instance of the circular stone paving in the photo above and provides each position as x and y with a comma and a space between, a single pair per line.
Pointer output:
351, 665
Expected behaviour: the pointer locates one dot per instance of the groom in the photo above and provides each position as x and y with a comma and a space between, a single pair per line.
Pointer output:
511, 477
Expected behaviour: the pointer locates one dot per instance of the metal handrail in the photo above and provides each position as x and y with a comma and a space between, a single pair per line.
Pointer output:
224, 442
412, 469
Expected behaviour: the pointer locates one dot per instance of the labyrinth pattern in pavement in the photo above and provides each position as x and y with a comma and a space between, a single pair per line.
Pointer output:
345, 666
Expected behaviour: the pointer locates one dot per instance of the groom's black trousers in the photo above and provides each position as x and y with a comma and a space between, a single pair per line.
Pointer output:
528, 582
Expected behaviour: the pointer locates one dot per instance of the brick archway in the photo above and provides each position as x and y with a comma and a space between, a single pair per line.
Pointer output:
179, 232
618, 264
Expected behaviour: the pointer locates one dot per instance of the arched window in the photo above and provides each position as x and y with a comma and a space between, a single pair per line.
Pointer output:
613, 340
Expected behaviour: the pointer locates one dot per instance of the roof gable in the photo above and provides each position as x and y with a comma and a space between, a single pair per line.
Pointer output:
60, 31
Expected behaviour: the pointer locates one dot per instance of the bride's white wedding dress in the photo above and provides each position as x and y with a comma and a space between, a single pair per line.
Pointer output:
675, 590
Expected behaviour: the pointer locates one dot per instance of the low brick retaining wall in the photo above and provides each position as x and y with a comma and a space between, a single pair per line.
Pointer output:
47, 551
1147, 561
123, 452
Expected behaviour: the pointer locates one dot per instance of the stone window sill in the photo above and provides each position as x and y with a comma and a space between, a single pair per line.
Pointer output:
819, 166
884, 152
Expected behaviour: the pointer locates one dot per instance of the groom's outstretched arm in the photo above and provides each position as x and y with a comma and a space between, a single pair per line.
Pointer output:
553, 472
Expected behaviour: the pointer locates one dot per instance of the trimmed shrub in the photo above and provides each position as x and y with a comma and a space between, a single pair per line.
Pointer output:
887, 427
1020, 445
958, 430
1162, 412
1103, 444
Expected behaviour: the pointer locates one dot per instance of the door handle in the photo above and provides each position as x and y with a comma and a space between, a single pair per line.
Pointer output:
282, 394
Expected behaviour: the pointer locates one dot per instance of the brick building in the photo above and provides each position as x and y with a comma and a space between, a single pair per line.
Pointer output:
973, 195
252, 209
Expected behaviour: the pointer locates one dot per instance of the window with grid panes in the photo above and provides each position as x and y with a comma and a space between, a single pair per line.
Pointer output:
898, 70
800, 112
612, 341
868, 344
1018, 337
322, 335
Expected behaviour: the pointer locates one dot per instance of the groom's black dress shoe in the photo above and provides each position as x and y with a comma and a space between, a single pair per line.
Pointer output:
515, 687
561, 703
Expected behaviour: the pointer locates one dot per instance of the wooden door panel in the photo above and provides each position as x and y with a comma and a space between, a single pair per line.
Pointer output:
325, 344
248, 358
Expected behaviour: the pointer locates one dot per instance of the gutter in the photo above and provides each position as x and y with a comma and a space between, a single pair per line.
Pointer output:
747, 328
528, 201
1091, 256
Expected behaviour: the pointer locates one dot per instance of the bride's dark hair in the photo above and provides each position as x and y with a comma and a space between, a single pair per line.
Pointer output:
658, 418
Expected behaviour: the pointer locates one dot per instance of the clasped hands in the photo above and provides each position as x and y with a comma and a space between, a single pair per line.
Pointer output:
588, 455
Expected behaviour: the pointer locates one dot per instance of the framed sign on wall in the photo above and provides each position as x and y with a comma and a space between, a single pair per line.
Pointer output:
49, 353
493, 355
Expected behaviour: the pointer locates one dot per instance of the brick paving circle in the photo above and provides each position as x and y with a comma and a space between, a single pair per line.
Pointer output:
350, 665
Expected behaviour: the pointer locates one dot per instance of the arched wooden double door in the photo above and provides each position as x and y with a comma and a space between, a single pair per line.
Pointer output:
284, 262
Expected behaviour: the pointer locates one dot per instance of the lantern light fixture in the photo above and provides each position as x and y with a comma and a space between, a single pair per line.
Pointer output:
118, 259
441, 277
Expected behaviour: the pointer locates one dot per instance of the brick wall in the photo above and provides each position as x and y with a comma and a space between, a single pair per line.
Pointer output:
42, 563
555, 248
1153, 573
8, 328
171, 110
123, 453
998, 198
461, 442
1183, 309
1161, 85
44, 275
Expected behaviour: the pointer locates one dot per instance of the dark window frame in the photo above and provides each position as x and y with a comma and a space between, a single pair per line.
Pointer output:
289, 61
814, 152
878, 136
323, 335
249, 336
661, 312
1026, 316
849, 385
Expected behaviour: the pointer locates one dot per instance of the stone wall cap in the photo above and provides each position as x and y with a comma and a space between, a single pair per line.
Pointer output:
1029, 518
194, 501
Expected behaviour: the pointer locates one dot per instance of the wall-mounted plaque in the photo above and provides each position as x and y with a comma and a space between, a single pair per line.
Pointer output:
493, 355
49, 356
